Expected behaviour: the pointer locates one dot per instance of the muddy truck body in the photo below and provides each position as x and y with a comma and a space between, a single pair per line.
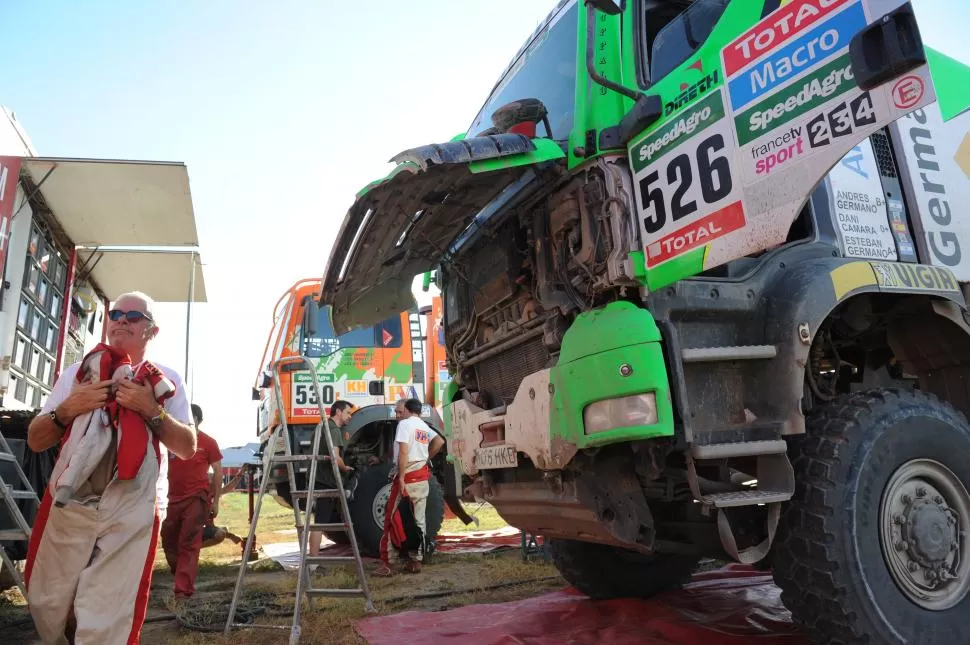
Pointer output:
371, 367
703, 274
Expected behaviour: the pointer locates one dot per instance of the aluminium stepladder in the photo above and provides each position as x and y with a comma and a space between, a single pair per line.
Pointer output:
303, 524
10, 495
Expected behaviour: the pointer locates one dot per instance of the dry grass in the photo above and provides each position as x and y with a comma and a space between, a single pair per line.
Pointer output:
458, 579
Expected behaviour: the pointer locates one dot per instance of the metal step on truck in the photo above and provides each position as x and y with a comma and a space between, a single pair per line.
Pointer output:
705, 294
372, 368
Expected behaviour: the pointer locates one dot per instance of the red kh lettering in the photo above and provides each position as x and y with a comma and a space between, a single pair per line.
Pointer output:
717, 224
775, 30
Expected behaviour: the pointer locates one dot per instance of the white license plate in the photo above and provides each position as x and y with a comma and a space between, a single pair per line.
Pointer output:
504, 456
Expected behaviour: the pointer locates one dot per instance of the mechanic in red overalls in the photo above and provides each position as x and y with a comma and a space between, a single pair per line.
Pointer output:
192, 499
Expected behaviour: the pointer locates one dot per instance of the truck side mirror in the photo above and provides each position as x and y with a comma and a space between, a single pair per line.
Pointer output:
311, 313
609, 7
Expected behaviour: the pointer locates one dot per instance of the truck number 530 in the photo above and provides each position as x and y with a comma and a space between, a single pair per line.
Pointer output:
305, 394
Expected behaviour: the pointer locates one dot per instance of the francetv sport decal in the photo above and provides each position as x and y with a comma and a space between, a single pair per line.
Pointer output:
687, 194
796, 112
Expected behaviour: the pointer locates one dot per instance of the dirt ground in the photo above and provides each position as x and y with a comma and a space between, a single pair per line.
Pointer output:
450, 581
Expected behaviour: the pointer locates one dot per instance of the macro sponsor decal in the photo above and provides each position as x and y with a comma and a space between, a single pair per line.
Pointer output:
908, 91
827, 82
715, 225
773, 153
784, 64
676, 132
894, 276
774, 30
690, 93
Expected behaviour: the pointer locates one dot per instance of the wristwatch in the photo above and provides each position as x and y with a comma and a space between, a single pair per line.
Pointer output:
156, 421
53, 415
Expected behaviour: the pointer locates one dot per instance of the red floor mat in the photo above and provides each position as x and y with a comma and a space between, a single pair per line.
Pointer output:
735, 605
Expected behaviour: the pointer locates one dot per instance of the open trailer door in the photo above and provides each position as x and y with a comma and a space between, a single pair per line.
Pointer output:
405, 224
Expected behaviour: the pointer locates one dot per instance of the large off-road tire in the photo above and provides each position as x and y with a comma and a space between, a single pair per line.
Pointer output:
881, 499
602, 571
370, 499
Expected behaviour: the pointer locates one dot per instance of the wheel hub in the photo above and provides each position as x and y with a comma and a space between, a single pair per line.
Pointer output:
925, 518
379, 505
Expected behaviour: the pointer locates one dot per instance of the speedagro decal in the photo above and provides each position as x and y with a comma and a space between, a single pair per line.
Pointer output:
677, 131
795, 100
774, 30
826, 40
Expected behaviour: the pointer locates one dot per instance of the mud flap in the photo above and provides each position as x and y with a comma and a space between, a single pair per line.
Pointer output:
725, 174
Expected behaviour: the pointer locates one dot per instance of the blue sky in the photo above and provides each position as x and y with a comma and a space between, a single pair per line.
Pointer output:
282, 111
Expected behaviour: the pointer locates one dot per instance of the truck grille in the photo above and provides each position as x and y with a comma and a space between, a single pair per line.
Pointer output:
499, 377
884, 155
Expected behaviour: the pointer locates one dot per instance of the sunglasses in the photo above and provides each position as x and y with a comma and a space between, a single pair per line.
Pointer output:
130, 316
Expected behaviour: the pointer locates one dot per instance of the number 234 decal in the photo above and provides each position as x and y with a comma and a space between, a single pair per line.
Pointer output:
664, 193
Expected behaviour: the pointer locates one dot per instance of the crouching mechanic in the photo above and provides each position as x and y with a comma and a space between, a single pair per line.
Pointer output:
193, 498
116, 416
415, 445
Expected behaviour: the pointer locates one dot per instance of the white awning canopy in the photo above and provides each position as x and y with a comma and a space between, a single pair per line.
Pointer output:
117, 203
162, 274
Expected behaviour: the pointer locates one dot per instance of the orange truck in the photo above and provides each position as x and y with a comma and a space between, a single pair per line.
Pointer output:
372, 367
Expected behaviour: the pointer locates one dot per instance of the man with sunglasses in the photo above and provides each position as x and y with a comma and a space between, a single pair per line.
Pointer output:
92, 568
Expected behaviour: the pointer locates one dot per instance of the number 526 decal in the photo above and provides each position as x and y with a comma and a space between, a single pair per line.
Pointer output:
687, 193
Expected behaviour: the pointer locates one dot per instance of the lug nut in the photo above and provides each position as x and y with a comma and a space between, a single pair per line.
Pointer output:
913, 567
907, 499
898, 519
938, 499
921, 492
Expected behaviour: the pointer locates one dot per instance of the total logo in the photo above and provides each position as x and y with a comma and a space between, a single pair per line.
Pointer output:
827, 39
717, 224
774, 30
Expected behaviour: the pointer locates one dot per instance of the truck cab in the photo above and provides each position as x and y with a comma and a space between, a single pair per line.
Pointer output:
372, 367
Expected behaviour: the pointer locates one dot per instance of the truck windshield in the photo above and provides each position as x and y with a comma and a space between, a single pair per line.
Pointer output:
545, 71
325, 342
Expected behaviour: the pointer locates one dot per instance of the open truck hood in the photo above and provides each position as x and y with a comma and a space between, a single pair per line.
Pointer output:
404, 224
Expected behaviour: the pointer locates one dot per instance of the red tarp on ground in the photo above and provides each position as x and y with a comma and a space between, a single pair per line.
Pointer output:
736, 605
